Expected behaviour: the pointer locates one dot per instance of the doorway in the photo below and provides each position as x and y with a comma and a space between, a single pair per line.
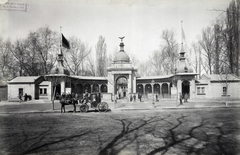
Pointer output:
186, 87
122, 87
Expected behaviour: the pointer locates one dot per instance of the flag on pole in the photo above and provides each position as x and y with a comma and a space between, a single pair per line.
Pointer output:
65, 42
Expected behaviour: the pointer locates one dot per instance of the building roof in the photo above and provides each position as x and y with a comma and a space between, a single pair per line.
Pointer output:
44, 83
186, 73
89, 77
220, 77
24, 79
203, 82
121, 57
155, 77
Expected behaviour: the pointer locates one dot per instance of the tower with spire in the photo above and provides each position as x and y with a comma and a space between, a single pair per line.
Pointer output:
122, 67
184, 75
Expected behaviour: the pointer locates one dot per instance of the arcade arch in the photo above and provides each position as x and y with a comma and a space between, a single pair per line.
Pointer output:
121, 87
185, 87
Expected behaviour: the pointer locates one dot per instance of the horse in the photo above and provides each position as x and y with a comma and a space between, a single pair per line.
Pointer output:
68, 99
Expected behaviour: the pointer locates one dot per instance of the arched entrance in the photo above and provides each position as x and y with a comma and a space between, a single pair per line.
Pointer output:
104, 88
164, 90
148, 88
58, 90
121, 87
156, 88
140, 88
87, 87
95, 88
185, 87
79, 89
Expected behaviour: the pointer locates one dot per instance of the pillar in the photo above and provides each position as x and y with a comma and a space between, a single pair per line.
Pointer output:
129, 84
179, 87
63, 87
99, 88
91, 88
192, 89
134, 84
50, 91
144, 89
160, 84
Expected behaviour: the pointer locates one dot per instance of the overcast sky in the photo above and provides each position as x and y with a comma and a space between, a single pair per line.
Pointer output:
140, 21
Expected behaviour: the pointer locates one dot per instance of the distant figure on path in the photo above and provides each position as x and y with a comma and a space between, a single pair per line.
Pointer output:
157, 98
134, 97
131, 98
85, 97
25, 97
140, 97
180, 98
185, 97
20, 98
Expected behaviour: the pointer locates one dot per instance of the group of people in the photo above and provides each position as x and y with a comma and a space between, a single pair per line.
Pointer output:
73, 96
134, 97
183, 97
24, 97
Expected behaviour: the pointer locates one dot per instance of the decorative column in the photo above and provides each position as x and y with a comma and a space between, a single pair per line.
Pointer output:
144, 89
179, 87
99, 86
50, 91
91, 88
160, 84
63, 88
153, 102
134, 84
192, 89
169, 89
130, 84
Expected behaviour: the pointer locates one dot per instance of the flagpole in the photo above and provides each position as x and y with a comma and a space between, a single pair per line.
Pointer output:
60, 40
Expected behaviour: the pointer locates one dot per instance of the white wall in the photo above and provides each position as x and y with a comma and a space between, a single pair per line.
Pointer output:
14, 88
215, 90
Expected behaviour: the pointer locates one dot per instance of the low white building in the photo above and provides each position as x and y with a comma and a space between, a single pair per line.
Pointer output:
24, 85
218, 86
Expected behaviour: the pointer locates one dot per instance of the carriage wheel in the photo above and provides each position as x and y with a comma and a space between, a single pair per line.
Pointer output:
102, 107
84, 108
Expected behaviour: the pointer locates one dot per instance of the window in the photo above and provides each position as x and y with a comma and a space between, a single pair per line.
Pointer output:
45, 90
200, 90
41, 91
224, 90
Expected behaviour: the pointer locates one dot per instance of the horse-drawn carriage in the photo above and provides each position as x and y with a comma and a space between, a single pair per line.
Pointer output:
93, 101
68, 99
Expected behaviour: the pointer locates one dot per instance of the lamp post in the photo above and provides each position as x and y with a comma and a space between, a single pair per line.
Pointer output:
153, 82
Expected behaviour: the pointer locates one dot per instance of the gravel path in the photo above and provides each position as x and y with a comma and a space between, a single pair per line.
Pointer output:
209, 131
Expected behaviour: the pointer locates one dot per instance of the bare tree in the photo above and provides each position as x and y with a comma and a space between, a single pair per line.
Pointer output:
47, 40
169, 51
232, 37
207, 43
8, 65
157, 63
77, 55
144, 69
35, 54
101, 57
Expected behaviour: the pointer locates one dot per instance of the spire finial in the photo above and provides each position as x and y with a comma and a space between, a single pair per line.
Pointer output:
122, 38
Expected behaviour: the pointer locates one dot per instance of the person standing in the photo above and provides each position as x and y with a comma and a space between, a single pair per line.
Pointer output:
140, 97
134, 97
20, 98
85, 97
180, 98
131, 98
185, 97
